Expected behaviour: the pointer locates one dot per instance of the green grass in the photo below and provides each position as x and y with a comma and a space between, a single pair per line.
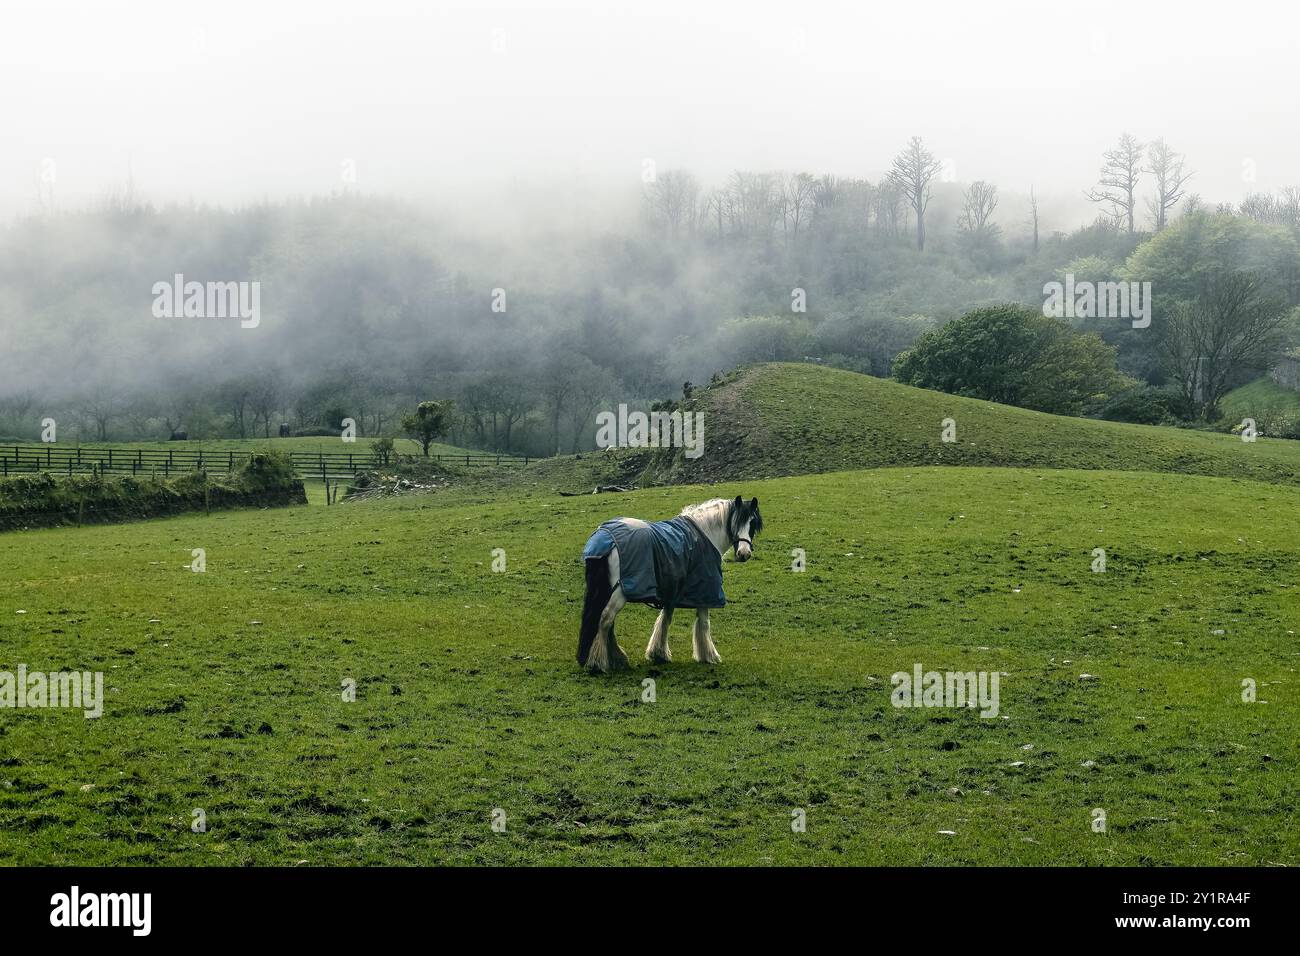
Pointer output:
788, 419
225, 685
1260, 399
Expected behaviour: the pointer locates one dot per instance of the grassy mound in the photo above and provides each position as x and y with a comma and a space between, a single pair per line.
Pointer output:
789, 419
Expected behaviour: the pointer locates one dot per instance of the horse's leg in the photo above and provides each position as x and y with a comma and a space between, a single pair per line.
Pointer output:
702, 639
604, 653
657, 650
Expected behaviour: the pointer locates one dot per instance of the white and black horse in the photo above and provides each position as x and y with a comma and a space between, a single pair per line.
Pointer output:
666, 564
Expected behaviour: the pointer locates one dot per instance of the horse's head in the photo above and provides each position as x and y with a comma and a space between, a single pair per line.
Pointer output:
743, 523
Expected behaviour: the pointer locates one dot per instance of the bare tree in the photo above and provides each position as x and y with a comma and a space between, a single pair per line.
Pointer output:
264, 399
558, 380
671, 201
715, 209
1033, 215
1118, 181
509, 400
978, 201
236, 394
889, 208
101, 404
799, 193
1233, 325
913, 171
1261, 207
593, 387
753, 203
1167, 168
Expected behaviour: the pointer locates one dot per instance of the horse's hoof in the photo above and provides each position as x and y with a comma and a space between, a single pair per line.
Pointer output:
659, 657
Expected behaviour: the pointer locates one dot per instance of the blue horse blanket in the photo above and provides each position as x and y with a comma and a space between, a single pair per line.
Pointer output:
664, 563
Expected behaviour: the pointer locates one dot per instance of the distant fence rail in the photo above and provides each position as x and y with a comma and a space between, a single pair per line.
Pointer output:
51, 457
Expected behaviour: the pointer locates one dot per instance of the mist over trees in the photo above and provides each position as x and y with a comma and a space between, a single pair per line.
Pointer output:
373, 305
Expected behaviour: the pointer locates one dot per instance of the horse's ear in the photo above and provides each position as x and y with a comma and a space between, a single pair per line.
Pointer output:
739, 502
753, 504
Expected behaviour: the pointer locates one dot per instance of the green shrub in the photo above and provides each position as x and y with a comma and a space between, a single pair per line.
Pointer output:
1146, 405
265, 469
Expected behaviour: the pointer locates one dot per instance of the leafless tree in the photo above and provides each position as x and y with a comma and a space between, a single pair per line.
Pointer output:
1283, 210
913, 171
1167, 169
558, 381
753, 203
1118, 181
1033, 215
264, 399
671, 201
101, 404
593, 388
1289, 207
798, 197
888, 208
714, 209
978, 201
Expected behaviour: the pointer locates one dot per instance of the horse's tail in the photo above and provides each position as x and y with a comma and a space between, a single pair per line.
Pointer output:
598, 594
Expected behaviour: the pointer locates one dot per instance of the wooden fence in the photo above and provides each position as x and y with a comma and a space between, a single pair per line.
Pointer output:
62, 459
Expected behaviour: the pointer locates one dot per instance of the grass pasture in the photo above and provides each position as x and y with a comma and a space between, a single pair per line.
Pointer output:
224, 687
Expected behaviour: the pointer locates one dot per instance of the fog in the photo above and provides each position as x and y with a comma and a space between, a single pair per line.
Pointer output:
381, 168
238, 101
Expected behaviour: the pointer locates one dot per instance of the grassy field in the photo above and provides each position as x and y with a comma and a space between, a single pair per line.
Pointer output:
224, 687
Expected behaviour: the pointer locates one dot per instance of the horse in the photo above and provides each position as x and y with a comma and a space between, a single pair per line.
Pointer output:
666, 564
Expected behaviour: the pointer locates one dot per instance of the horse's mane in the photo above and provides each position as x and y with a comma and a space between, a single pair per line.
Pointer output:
713, 509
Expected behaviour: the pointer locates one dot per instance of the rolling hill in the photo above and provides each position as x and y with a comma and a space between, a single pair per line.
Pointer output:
777, 420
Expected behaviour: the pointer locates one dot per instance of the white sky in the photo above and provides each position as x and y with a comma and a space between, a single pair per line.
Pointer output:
230, 101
